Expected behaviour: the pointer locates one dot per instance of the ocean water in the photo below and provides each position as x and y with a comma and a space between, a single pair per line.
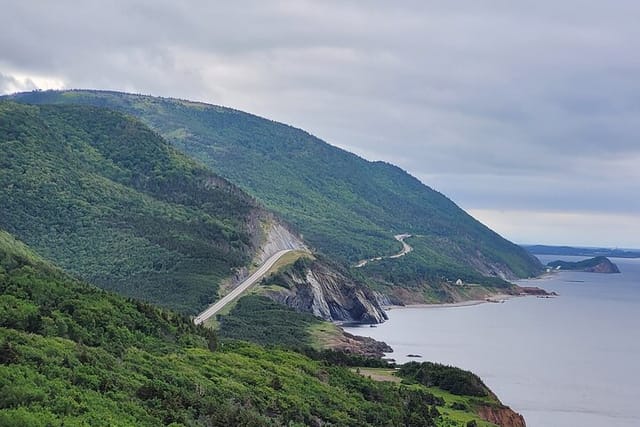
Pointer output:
568, 361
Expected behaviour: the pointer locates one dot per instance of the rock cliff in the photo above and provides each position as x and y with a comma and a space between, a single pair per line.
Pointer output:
326, 291
363, 346
270, 236
502, 416
277, 238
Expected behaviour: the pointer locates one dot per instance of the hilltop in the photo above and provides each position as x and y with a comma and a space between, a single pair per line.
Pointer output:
598, 264
346, 207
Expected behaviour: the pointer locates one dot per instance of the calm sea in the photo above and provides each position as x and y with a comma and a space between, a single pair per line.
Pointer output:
569, 361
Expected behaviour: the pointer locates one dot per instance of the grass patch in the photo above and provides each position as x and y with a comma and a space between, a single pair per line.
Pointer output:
456, 410
378, 374
323, 334
288, 259
460, 416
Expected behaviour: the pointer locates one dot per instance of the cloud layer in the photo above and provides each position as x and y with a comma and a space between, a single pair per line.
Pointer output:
524, 107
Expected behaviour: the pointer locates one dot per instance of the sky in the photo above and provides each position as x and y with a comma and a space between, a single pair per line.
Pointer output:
526, 114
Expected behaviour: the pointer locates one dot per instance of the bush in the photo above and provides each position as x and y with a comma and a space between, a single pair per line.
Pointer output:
449, 378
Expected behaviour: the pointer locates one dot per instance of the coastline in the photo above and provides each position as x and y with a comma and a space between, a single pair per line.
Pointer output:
525, 351
494, 299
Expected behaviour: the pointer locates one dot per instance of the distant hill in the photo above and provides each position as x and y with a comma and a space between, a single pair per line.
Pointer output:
598, 264
106, 198
345, 206
587, 252
72, 354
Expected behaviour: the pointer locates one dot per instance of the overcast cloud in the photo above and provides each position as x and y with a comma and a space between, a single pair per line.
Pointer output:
527, 114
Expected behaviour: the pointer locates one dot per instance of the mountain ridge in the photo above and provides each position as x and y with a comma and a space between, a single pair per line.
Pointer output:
106, 198
343, 205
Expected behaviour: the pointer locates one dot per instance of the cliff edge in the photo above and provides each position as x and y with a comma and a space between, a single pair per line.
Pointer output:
325, 290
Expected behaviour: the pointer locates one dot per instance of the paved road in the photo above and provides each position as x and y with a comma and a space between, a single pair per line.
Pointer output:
405, 250
257, 275
405, 247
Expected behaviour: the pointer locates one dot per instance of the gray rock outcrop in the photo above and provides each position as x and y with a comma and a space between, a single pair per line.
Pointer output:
325, 291
277, 238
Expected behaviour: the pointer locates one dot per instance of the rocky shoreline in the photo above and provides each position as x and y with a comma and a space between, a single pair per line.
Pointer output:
521, 291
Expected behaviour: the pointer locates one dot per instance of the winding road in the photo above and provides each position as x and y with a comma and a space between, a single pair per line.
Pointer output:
257, 275
214, 308
405, 250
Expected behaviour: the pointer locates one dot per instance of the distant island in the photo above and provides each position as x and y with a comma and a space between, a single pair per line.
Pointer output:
598, 264
586, 252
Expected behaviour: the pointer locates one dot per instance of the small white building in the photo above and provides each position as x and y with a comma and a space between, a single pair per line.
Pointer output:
459, 282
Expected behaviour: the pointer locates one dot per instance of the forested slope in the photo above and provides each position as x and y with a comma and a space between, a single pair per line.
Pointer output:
345, 206
105, 197
72, 354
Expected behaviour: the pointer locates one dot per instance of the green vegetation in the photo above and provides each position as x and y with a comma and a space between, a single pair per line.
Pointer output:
106, 198
72, 354
289, 259
461, 410
599, 264
455, 409
427, 264
345, 206
260, 320
280, 276
282, 264
448, 378
323, 334
379, 374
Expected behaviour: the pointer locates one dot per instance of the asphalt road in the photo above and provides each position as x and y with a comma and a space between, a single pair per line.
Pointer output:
405, 250
257, 275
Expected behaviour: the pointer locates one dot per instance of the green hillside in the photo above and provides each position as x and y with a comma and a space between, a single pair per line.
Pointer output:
106, 198
345, 206
71, 354
599, 264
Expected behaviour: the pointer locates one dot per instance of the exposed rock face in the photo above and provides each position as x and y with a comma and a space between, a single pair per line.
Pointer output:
488, 268
501, 415
382, 299
603, 267
277, 238
315, 287
326, 292
273, 238
363, 346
